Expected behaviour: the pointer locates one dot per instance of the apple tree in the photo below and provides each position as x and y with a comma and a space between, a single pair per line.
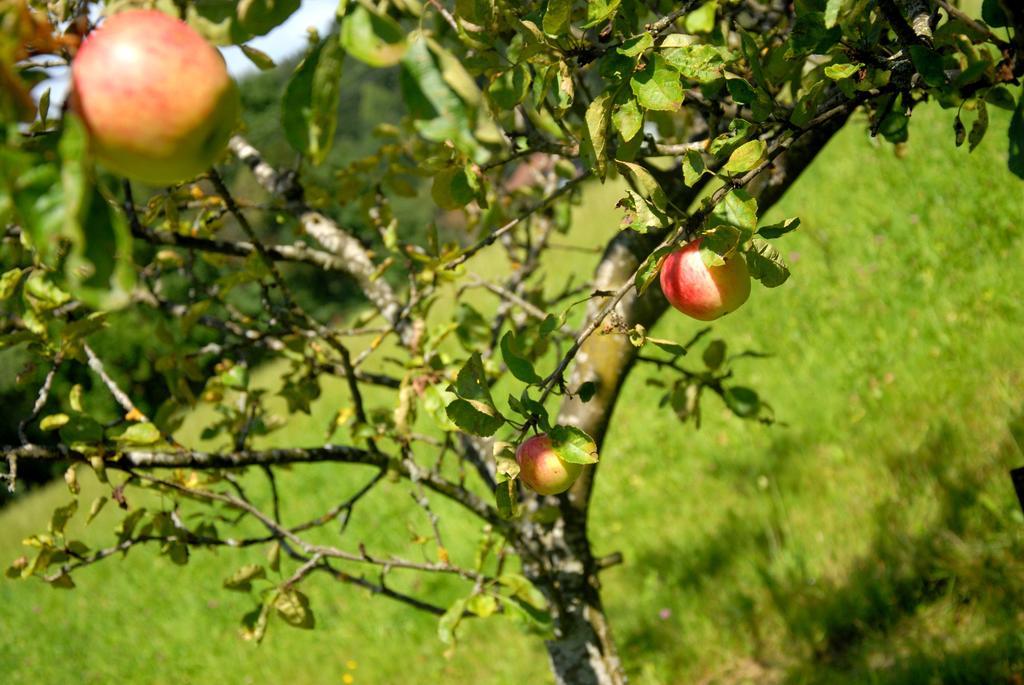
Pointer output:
707, 112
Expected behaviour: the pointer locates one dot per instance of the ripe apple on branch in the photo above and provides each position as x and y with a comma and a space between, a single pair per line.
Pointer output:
155, 97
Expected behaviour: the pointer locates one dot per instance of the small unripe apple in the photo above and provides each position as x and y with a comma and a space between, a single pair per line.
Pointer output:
700, 291
155, 97
543, 470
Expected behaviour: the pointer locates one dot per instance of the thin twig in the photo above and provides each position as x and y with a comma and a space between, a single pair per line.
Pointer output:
957, 13
96, 364
41, 398
508, 226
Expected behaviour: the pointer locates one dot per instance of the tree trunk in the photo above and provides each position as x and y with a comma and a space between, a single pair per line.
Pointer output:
583, 652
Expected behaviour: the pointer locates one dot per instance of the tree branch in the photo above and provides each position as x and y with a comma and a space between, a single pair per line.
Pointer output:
354, 257
193, 459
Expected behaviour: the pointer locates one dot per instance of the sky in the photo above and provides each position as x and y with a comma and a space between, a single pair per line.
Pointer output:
282, 42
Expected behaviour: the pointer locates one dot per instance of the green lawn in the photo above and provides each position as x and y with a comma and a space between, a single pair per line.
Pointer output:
871, 536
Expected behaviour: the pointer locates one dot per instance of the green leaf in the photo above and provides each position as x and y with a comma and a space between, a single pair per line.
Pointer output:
95, 508
810, 34
693, 167
532, 620
766, 264
832, 9
505, 498
701, 63
895, 127
236, 377
474, 410
658, 86
254, 623
84, 327
450, 620
648, 271
475, 417
455, 187
241, 580
41, 294
80, 430
510, 87
781, 228
807, 104
841, 70
373, 38
1016, 135
293, 607
439, 113
737, 209
702, 19
262, 60
752, 51
670, 346
573, 445
71, 479
139, 434
8, 282
478, 12
641, 215
309, 112
741, 91
600, 10
436, 400
521, 367
53, 422
628, 118
636, 46
482, 605
521, 588
565, 88
645, 183
746, 157
595, 135
455, 74
556, 17
720, 242
259, 17
979, 127
274, 556
1001, 97
723, 144
929, 64
743, 402
992, 14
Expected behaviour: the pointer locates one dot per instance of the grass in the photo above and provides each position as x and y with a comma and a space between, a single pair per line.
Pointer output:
871, 537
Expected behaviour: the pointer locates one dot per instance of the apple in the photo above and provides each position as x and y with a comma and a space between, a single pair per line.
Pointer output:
155, 97
700, 291
543, 470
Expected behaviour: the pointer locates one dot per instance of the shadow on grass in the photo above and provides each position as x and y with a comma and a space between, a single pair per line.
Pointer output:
937, 598
944, 537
